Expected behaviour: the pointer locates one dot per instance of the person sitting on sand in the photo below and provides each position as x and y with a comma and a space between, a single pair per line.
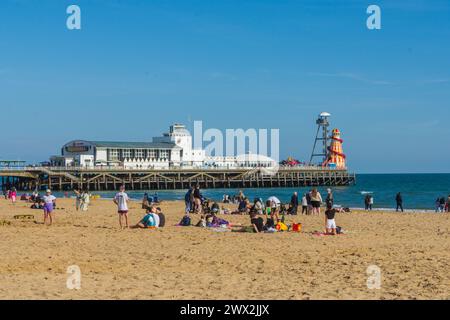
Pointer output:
272, 220
145, 202
258, 207
257, 222
150, 220
244, 206
162, 217
121, 200
215, 208
202, 222
330, 214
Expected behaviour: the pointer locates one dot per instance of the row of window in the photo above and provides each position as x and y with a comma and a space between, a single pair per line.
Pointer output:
120, 154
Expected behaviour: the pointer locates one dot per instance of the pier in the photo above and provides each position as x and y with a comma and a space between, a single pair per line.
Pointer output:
110, 178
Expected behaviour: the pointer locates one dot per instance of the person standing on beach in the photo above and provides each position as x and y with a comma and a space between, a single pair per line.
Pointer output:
294, 204
77, 199
370, 202
442, 204
304, 204
197, 200
85, 200
366, 202
316, 201
437, 205
121, 200
399, 200
188, 201
13, 195
49, 206
330, 198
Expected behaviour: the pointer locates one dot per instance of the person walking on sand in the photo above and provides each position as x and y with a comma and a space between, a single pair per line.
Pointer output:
49, 206
399, 200
121, 200
371, 202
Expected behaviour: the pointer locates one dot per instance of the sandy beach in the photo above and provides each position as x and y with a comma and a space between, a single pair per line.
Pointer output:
412, 250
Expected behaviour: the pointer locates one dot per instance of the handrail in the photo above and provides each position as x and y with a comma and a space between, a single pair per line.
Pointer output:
171, 169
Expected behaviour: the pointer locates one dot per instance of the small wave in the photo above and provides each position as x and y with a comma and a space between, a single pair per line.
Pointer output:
366, 192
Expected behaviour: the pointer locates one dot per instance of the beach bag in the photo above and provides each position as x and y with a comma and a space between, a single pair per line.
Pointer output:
339, 230
281, 226
297, 227
186, 221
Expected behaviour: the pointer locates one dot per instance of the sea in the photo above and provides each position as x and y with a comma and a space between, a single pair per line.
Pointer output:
419, 191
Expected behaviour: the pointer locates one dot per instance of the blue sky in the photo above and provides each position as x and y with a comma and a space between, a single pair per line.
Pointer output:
137, 66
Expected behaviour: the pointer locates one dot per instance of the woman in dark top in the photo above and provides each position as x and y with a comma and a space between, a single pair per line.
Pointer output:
257, 222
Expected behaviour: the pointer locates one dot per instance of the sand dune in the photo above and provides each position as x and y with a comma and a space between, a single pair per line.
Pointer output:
412, 251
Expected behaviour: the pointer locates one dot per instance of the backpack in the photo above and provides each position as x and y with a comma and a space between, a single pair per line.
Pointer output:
186, 221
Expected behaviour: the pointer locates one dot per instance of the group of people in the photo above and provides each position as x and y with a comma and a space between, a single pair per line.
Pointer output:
83, 199
10, 194
153, 218
442, 204
194, 200
272, 209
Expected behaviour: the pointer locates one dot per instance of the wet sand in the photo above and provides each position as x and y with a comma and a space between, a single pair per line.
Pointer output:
412, 250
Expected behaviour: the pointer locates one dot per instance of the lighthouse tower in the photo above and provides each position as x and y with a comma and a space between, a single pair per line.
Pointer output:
336, 157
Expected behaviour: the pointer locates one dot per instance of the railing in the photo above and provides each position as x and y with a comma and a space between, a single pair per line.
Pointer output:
170, 169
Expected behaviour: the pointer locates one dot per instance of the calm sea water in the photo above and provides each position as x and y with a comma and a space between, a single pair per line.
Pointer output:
419, 191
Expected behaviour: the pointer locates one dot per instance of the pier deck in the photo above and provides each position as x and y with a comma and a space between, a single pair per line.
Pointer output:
110, 178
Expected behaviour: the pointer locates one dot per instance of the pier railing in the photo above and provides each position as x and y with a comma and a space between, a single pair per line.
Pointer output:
170, 169
111, 177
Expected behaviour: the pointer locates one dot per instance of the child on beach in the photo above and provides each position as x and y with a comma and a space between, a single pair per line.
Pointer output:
330, 214
49, 205
121, 200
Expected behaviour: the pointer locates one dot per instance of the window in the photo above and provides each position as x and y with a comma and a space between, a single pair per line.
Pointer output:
113, 154
164, 154
139, 153
151, 154
126, 153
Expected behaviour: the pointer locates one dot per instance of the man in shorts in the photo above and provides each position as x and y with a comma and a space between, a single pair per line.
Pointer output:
121, 200
49, 205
